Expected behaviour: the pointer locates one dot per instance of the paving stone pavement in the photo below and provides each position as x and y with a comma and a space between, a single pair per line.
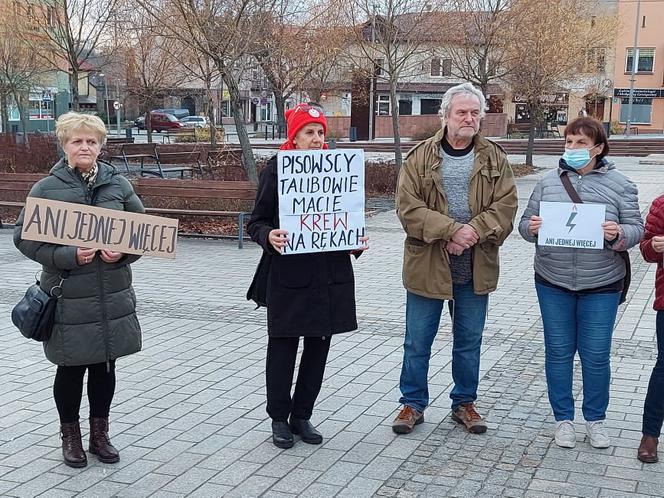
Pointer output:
189, 415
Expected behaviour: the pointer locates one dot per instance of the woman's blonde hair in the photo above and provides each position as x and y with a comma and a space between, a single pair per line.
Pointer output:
71, 122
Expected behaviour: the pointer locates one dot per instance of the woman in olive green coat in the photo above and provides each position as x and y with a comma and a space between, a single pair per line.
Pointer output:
95, 320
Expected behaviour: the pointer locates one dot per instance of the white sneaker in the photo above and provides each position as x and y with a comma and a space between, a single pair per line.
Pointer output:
565, 436
597, 434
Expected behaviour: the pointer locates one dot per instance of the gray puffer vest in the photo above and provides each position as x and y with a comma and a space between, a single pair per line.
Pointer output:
95, 318
580, 269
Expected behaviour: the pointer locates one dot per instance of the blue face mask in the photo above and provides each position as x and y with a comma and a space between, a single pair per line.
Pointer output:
577, 158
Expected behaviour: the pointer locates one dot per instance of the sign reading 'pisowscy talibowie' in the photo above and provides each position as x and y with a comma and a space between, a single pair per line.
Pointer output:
565, 224
82, 225
321, 199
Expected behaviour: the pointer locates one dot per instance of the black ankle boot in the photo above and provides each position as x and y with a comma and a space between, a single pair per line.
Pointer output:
307, 432
72, 446
282, 437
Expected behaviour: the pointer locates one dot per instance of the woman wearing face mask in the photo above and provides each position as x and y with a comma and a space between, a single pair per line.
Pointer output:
307, 295
579, 289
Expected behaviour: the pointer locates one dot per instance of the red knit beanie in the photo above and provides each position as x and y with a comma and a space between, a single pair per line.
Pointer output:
298, 117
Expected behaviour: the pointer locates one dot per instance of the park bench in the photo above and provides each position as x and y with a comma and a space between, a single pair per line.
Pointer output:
143, 152
119, 140
198, 190
14, 188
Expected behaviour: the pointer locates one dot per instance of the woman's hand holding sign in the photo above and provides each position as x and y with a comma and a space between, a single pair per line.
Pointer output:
278, 238
84, 255
110, 256
534, 224
611, 230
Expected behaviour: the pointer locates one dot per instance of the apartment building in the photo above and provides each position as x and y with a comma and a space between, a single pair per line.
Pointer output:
647, 114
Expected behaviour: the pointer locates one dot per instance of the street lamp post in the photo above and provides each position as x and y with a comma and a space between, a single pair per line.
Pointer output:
632, 78
108, 115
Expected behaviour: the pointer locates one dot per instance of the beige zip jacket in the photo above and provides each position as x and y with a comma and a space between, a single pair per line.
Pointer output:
422, 209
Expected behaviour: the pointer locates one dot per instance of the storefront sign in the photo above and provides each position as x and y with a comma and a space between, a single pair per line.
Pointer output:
644, 93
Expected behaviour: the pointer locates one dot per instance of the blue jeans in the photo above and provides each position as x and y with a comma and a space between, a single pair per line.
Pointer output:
422, 321
584, 323
653, 409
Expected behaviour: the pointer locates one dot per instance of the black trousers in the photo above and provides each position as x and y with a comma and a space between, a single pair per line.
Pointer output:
68, 390
281, 354
653, 409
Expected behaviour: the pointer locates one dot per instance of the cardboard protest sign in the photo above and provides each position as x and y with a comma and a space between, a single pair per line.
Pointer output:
321, 199
565, 224
82, 225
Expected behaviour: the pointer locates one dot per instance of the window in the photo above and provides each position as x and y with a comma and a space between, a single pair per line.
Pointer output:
383, 105
405, 107
645, 58
379, 66
435, 66
441, 67
40, 107
429, 106
446, 67
641, 111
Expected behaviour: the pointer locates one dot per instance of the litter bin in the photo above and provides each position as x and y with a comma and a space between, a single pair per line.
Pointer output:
352, 133
128, 133
607, 128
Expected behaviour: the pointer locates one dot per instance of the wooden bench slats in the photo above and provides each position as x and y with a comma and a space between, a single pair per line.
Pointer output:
197, 194
219, 185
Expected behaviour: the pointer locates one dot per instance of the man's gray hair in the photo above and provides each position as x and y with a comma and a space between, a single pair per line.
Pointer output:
462, 89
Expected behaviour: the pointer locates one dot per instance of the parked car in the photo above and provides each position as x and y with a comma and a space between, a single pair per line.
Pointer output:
162, 121
195, 121
178, 113
139, 122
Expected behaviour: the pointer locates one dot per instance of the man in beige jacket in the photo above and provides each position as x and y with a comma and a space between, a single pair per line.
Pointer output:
456, 200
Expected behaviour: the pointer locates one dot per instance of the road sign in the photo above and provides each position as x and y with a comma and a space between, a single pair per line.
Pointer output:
116, 105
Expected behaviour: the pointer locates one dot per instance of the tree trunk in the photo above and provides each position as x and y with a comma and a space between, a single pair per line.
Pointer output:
73, 86
398, 159
238, 117
24, 119
280, 104
4, 104
210, 113
148, 124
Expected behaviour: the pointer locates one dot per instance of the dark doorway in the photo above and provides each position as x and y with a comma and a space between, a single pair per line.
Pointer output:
595, 108
359, 106
189, 103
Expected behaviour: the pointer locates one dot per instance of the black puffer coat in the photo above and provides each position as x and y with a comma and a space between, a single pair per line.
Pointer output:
95, 319
307, 295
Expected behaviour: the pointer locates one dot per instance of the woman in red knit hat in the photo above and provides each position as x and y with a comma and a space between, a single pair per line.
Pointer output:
307, 295
652, 248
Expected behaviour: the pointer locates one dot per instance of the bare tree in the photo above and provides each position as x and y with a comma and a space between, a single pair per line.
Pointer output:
72, 30
551, 49
20, 70
226, 31
392, 35
476, 40
297, 43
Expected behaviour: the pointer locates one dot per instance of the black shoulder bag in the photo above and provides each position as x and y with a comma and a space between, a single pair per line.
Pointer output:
567, 183
34, 315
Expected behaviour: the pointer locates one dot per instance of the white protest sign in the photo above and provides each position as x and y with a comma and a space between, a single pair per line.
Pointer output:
565, 224
82, 225
321, 199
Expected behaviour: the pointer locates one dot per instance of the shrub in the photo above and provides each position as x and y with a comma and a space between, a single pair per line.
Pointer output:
201, 135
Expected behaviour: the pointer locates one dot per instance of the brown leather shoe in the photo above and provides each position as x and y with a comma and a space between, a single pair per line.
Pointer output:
72, 446
467, 415
100, 444
407, 419
648, 449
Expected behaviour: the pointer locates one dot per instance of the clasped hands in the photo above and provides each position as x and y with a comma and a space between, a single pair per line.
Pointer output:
85, 255
464, 238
